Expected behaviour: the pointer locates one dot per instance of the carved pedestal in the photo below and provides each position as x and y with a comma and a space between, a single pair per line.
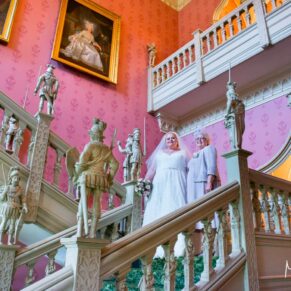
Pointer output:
7, 255
37, 164
84, 256
237, 169
132, 197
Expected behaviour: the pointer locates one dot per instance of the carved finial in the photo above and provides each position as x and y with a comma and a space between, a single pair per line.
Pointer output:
152, 52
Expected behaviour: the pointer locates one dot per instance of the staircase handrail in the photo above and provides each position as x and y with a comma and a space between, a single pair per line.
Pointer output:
52, 243
124, 251
270, 181
8, 103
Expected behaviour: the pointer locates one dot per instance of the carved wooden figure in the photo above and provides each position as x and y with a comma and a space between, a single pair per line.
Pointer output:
48, 85
93, 173
13, 206
127, 151
234, 119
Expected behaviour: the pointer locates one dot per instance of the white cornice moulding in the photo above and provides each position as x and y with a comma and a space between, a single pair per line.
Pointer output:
176, 4
258, 95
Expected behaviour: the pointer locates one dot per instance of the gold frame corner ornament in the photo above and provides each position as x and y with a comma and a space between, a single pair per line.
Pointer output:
96, 9
7, 26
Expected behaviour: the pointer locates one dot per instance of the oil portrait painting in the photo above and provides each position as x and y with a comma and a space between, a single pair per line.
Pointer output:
87, 39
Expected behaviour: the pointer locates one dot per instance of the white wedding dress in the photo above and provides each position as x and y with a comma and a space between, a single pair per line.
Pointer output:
169, 192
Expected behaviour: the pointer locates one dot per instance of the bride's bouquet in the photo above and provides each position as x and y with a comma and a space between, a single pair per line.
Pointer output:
143, 187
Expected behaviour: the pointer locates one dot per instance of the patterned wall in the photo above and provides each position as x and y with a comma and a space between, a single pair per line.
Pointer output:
82, 97
195, 15
267, 129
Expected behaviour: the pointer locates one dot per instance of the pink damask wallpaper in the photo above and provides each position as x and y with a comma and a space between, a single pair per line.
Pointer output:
82, 97
197, 14
267, 130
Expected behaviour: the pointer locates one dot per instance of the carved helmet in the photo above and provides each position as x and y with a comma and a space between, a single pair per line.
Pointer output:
97, 129
136, 134
14, 171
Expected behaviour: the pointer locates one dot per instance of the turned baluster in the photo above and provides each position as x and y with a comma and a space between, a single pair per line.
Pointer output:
18, 139
5, 126
222, 239
169, 69
30, 278
170, 265
160, 74
215, 43
282, 201
111, 196
223, 36
120, 277
231, 32
235, 228
189, 259
128, 224
30, 149
57, 167
273, 4
274, 210
102, 232
208, 43
115, 234
192, 54
165, 72
51, 266
148, 277
265, 208
238, 19
256, 207
186, 58
248, 17
208, 243
180, 62
155, 79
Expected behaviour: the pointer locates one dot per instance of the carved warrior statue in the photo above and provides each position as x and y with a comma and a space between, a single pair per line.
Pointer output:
127, 151
152, 52
12, 207
136, 157
92, 174
48, 85
10, 133
234, 119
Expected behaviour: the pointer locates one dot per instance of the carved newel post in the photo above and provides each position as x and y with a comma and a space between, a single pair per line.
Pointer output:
243, 235
93, 172
37, 164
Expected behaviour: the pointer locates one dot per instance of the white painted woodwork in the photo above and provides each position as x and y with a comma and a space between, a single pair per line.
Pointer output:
180, 95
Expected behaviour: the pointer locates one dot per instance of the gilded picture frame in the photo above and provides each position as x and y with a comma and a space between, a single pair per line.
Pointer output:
7, 12
87, 39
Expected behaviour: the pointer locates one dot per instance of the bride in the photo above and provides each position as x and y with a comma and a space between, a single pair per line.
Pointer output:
167, 169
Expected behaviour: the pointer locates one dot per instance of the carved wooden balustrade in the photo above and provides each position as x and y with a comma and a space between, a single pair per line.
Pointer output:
240, 35
20, 144
112, 225
216, 35
118, 256
271, 199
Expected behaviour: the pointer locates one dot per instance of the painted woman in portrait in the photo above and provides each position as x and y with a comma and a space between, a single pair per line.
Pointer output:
84, 48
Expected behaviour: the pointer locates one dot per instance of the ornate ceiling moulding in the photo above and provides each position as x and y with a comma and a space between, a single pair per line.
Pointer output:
176, 4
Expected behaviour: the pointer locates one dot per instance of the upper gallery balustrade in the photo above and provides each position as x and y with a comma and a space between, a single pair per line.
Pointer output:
239, 39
